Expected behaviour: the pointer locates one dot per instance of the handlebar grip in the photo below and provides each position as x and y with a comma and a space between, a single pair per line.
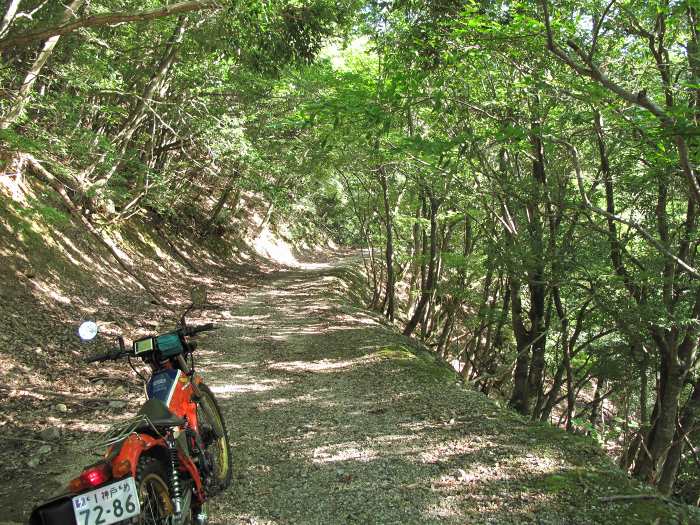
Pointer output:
113, 355
193, 330
97, 357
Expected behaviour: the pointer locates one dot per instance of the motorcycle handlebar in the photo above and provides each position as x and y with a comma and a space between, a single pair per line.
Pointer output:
194, 330
113, 355
117, 353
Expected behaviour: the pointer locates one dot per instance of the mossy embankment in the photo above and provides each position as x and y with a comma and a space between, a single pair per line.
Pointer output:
572, 471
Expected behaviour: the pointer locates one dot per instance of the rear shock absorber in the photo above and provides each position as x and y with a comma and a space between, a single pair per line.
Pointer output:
175, 488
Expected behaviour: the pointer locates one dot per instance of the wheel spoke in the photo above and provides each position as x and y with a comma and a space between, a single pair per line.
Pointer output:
154, 502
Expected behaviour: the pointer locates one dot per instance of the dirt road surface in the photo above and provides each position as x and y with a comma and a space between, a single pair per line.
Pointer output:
335, 417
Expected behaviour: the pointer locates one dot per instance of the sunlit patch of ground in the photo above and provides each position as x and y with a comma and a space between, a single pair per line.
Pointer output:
321, 366
350, 451
261, 385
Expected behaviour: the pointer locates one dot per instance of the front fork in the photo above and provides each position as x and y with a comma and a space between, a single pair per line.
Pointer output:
197, 394
201, 517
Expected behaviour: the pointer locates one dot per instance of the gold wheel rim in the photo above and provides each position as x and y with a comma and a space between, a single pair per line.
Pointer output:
153, 486
222, 452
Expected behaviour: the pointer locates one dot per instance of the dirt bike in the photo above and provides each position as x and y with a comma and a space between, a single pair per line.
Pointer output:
161, 466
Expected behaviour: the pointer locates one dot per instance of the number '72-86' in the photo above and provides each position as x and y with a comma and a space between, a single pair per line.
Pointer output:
117, 509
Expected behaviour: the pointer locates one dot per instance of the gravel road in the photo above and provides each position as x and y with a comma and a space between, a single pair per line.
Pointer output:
334, 420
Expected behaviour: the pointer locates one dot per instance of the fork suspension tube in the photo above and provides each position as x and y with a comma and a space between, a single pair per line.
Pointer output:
197, 392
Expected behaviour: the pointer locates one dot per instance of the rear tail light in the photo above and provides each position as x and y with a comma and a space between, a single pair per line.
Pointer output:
92, 477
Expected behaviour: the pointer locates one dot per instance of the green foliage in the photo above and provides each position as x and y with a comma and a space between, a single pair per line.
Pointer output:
13, 141
37, 210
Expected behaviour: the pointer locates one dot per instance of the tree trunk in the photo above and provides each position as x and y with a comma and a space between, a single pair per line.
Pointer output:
539, 337
221, 202
661, 436
498, 334
433, 319
536, 273
10, 12
488, 342
104, 20
570, 390
643, 391
389, 252
427, 290
415, 260
553, 394
566, 360
443, 339
673, 459
373, 266
520, 397
597, 403
484, 320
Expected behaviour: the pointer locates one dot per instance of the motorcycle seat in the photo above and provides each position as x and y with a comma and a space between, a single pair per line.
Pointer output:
159, 415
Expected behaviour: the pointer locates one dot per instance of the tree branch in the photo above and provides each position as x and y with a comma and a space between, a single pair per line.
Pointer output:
642, 231
106, 19
584, 65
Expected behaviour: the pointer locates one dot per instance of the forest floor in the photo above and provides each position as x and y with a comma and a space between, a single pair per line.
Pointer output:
334, 417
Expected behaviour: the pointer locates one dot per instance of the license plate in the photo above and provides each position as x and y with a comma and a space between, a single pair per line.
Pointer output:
109, 504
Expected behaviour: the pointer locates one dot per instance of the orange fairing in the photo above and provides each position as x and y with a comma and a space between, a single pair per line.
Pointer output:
133, 447
182, 405
179, 403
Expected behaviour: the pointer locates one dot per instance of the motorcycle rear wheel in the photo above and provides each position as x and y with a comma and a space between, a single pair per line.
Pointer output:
154, 493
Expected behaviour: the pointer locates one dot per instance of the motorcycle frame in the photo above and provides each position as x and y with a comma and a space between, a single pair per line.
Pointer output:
182, 404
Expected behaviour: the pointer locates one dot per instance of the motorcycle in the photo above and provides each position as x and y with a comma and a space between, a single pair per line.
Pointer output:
162, 466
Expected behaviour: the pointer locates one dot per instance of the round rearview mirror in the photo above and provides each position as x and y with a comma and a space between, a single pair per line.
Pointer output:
88, 330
